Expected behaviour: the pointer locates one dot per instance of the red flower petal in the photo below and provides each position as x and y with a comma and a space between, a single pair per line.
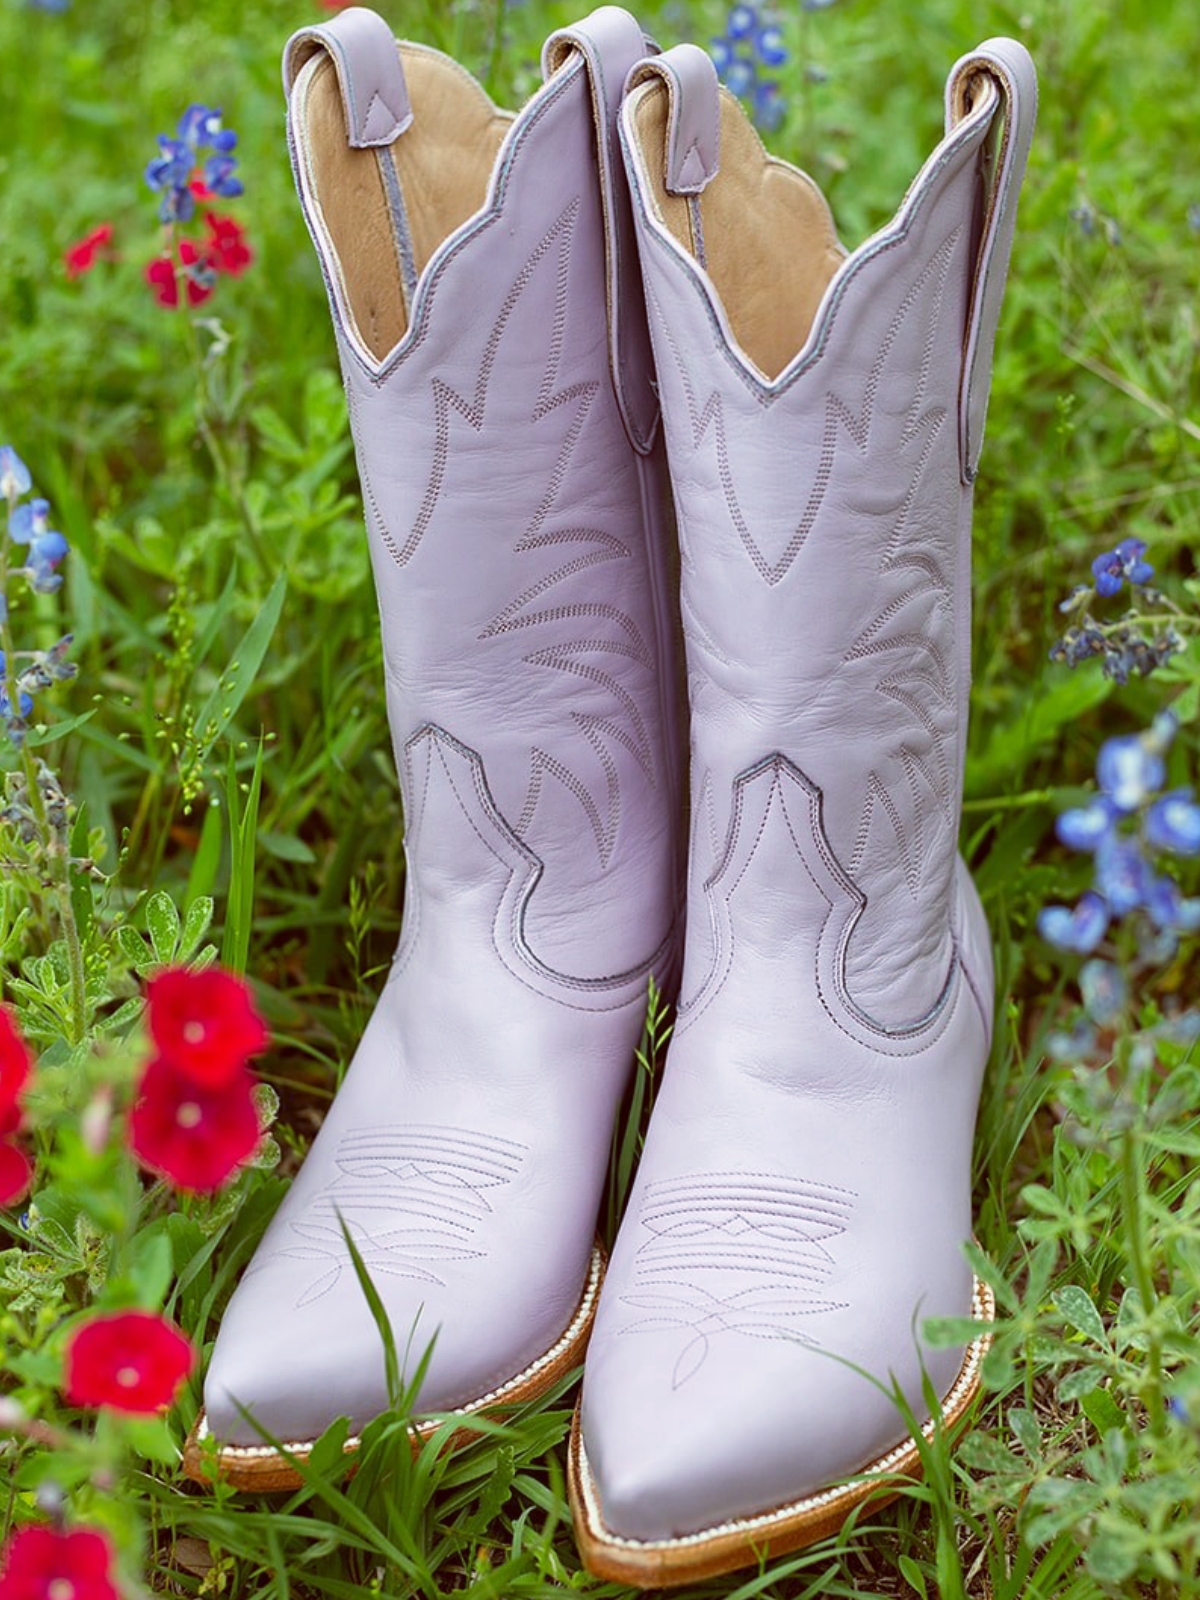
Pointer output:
16, 1174
226, 245
204, 1023
195, 1135
160, 275
44, 1564
15, 1061
129, 1361
82, 256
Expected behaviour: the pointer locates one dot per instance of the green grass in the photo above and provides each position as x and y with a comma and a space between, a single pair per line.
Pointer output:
230, 742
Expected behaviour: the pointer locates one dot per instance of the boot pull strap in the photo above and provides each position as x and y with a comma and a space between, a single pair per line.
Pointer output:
611, 42
1007, 66
367, 62
693, 154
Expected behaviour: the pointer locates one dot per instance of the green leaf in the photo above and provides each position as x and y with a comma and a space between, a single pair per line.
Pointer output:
286, 847
1102, 1411
150, 1438
134, 949
239, 911
913, 1575
151, 1266
203, 876
162, 924
1078, 1383
195, 925
224, 702
1076, 1307
1043, 716
38, 737
1026, 1430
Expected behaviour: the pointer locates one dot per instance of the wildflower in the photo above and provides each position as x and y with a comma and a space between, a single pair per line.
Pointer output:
1080, 930
1122, 875
83, 255
225, 245
15, 1062
195, 1135
204, 1023
1193, 217
16, 1173
128, 1361
171, 172
1105, 992
219, 178
751, 42
1112, 567
50, 1564
163, 276
1173, 823
1086, 827
14, 474
1129, 770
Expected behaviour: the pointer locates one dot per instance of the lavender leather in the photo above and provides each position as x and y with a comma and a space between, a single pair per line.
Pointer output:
515, 534
804, 1193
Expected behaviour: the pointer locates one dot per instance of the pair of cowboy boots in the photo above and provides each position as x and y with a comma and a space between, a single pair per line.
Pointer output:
517, 298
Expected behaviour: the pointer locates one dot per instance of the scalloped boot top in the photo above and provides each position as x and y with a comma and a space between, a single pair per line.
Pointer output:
483, 283
804, 1196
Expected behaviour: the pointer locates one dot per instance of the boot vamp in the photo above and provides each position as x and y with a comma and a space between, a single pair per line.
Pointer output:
800, 1211
465, 1156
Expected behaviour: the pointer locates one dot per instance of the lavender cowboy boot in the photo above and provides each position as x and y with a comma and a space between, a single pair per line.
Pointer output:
804, 1195
483, 279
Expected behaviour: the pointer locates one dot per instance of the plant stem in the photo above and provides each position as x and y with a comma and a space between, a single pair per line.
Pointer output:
1131, 1195
57, 850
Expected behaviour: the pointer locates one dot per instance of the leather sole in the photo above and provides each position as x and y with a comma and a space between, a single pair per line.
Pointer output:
746, 1541
264, 1469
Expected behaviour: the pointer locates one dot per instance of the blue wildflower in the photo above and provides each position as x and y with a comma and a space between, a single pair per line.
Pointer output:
769, 45
742, 22
769, 106
817, 5
218, 176
1105, 992
1086, 827
1193, 217
1173, 823
1130, 769
1080, 929
14, 474
741, 77
1112, 567
1123, 876
29, 521
1178, 1409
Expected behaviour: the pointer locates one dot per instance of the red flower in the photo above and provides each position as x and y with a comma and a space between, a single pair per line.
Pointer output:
83, 255
162, 276
195, 1135
200, 189
226, 245
131, 1361
15, 1062
204, 1023
44, 1564
16, 1174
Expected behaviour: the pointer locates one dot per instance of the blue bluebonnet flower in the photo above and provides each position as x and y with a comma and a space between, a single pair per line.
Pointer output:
1081, 929
1173, 823
1130, 769
1193, 216
1125, 827
55, 6
1086, 827
751, 45
1112, 568
14, 474
170, 173
1104, 990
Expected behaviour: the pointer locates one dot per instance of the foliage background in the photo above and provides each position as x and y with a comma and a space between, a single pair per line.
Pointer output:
189, 483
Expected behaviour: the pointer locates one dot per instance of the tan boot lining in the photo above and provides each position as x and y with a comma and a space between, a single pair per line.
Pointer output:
443, 163
767, 238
